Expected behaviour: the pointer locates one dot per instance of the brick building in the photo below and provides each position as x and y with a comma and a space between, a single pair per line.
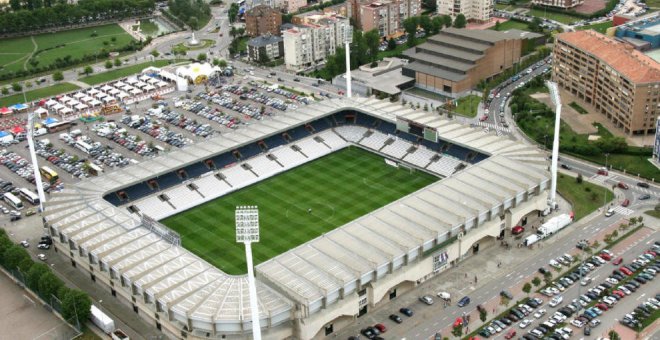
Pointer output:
262, 20
611, 76
473, 10
454, 61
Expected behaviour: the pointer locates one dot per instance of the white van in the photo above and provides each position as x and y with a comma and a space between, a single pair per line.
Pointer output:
609, 212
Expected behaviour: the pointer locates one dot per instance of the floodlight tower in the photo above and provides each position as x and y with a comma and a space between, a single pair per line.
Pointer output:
247, 231
554, 95
348, 38
33, 156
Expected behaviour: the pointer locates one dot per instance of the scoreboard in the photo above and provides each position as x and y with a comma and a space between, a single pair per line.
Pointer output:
417, 129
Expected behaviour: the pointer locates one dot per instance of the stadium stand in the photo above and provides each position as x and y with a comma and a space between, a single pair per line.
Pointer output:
397, 149
421, 157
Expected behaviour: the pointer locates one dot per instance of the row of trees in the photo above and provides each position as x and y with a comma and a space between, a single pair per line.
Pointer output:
34, 15
430, 26
74, 305
194, 13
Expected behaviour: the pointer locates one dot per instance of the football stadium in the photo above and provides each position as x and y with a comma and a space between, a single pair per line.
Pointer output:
360, 200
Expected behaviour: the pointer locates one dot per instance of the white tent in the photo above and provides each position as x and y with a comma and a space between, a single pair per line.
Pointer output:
144, 78
51, 103
86, 99
135, 91
197, 72
65, 111
122, 95
65, 99
119, 84
113, 92
100, 95
81, 106
41, 111
149, 88
161, 84
94, 103
92, 92
78, 95
58, 107
131, 80
152, 80
109, 99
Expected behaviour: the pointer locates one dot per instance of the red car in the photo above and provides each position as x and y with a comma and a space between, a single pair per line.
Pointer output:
517, 230
651, 252
625, 271
602, 306
510, 334
602, 171
619, 293
625, 203
623, 185
380, 327
605, 256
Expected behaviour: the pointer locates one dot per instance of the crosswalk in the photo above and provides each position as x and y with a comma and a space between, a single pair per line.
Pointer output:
623, 210
492, 126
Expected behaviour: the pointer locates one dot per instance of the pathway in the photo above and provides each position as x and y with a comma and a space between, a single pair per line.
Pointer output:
34, 50
79, 83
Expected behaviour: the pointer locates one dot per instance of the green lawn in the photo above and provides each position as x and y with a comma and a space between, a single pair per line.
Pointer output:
563, 18
653, 3
37, 94
467, 106
148, 27
121, 72
654, 213
338, 188
50, 46
508, 25
585, 197
600, 27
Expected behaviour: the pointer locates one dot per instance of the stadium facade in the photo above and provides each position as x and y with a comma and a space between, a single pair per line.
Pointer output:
317, 288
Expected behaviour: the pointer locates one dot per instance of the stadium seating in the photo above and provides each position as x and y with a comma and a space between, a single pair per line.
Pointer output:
332, 139
398, 149
321, 125
249, 151
387, 127
168, 180
298, 133
288, 157
223, 160
274, 141
376, 141
421, 157
445, 166
196, 169
264, 166
351, 133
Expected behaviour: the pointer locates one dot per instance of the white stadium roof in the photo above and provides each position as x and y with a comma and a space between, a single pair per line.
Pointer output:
311, 274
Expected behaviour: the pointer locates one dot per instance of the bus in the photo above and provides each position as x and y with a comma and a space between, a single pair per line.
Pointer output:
59, 126
84, 147
13, 201
48, 174
29, 196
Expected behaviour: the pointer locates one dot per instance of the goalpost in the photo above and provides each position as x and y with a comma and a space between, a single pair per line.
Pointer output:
399, 165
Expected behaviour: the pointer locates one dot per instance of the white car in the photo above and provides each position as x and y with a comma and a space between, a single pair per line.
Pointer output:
624, 290
612, 280
577, 323
496, 327
25, 243
42, 257
556, 301
555, 264
587, 280
559, 317
525, 323
539, 313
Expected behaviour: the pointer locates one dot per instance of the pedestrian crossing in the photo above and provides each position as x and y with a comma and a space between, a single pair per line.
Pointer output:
495, 127
623, 210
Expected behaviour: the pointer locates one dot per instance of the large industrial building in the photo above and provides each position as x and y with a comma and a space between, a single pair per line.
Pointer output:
611, 77
106, 225
454, 61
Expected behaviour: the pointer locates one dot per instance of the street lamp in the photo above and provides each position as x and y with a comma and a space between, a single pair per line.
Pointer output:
554, 95
606, 169
247, 231
33, 154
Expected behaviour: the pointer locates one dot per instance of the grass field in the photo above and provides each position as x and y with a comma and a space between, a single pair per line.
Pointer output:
507, 25
467, 106
121, 72
338, 188
563, 18
37, 94
585, 197
75, 43
600, 27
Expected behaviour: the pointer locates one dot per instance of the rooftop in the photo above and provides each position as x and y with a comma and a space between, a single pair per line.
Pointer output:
264, 40
631, 63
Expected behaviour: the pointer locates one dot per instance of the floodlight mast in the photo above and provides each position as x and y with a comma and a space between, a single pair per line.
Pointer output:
247, 231
348, 38
554, 95
33, 157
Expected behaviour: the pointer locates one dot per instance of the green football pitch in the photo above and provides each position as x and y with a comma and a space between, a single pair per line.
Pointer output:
338, 188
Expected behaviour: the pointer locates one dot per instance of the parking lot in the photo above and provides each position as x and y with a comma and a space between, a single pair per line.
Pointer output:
142, 130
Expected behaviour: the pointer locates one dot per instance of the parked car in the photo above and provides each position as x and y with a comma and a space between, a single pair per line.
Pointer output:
464, 301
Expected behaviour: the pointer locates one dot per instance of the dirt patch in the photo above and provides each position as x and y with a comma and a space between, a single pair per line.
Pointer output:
591, 6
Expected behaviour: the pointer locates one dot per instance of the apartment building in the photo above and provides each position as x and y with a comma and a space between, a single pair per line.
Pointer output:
262, 20
386, 16
611, 77
565, 4
309, 44
473, 10
454, 61
265, 47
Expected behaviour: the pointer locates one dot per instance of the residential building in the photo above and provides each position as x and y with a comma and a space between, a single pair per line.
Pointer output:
454, 61
262, 20
265, 47
473, 10
309, 44
616, 80
565, 4
386, 16
656, 144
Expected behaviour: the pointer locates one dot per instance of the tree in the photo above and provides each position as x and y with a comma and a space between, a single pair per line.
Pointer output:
410, 27
527, 287
15, 5
14, 256
202, 57
88, 70
49, 285
614, 335
34, 274
233, 12
536, 281
5, 90
457, 331
16, 87
76, 305
437, 24
426, 24
391, 44
446, 20
222, 63
117, 62
263, 58
372, 39
504, 301
535, 25
58, 76
497, 25
460, 21
483, 314
108, 64
579, 179
155, 53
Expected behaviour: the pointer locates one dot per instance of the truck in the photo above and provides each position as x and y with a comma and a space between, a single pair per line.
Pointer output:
553, 225
102, 320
